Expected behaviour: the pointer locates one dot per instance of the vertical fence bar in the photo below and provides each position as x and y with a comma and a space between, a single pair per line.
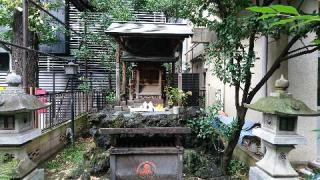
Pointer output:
54, 95
50, 111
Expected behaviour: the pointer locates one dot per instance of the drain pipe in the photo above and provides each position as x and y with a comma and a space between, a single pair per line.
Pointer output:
264, 66
264, 62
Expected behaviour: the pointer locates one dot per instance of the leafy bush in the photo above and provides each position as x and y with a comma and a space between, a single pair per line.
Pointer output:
111, 96
85, 86
203, 126
238, 170
204, 136
176, 96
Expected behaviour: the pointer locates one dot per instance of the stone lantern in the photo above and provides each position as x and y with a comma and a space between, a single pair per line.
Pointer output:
278, 132
17, 112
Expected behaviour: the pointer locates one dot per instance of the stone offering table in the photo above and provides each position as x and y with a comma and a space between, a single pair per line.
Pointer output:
146, 153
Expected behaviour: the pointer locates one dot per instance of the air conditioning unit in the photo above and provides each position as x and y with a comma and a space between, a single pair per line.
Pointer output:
203, 35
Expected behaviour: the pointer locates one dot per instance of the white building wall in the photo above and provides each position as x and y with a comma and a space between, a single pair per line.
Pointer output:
303, 77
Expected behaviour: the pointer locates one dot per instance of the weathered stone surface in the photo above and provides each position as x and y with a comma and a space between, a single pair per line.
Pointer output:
15, 100
97, 161
282, 103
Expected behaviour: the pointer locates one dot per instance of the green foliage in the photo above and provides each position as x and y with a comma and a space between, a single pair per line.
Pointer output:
275, 9
203, 126
208, 124
119, 10
84, 52
85, 86
8, 166
231, 57
187, 9
40, 24
111, 96
176, 96
199, 164
286, 16
238, 170
71, 156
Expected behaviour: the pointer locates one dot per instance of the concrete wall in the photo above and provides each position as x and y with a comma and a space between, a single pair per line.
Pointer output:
303, 77
52, 141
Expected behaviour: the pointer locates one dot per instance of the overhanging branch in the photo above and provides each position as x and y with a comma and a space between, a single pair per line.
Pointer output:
304, 47
300, 53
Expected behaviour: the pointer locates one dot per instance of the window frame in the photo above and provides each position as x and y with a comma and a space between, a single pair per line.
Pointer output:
5, 121
10, 64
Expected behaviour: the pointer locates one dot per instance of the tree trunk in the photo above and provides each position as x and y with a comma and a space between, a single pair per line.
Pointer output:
227, 155
17, 53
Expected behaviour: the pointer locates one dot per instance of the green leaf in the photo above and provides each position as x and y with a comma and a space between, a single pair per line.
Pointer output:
266, 16
285, 9
264, 10
282, 22
303, 23
316, 42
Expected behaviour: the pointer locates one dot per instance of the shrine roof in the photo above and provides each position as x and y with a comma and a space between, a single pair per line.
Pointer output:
149, 29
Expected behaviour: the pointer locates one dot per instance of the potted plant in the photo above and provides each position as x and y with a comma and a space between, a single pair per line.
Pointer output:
176, 98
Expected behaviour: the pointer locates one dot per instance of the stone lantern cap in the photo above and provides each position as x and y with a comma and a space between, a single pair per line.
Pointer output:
15, 100
282, 103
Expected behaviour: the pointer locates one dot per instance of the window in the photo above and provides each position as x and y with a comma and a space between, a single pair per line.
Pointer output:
6, 122
287, 123
4, 62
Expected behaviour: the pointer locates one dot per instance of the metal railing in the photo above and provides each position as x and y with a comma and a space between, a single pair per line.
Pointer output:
60, 109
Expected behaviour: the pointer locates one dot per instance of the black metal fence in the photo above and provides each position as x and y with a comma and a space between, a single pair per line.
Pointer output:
190, 82
60, 109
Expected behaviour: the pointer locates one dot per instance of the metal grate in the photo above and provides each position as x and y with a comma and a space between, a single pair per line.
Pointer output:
190, 82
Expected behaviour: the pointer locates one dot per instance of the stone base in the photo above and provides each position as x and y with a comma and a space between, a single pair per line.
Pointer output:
118, 108
256, 173
37, 174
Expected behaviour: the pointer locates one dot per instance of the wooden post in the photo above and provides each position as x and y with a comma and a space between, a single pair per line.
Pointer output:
124, 79
118, 75
138, 84
25, 44
180, 69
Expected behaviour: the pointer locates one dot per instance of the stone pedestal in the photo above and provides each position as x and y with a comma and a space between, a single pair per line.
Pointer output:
258, 174
275, 161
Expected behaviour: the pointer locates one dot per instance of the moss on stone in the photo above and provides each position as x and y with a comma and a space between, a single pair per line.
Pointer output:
8, 166
282, 104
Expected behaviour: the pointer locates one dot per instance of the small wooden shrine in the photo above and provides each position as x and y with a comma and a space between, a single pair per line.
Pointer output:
147, 49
